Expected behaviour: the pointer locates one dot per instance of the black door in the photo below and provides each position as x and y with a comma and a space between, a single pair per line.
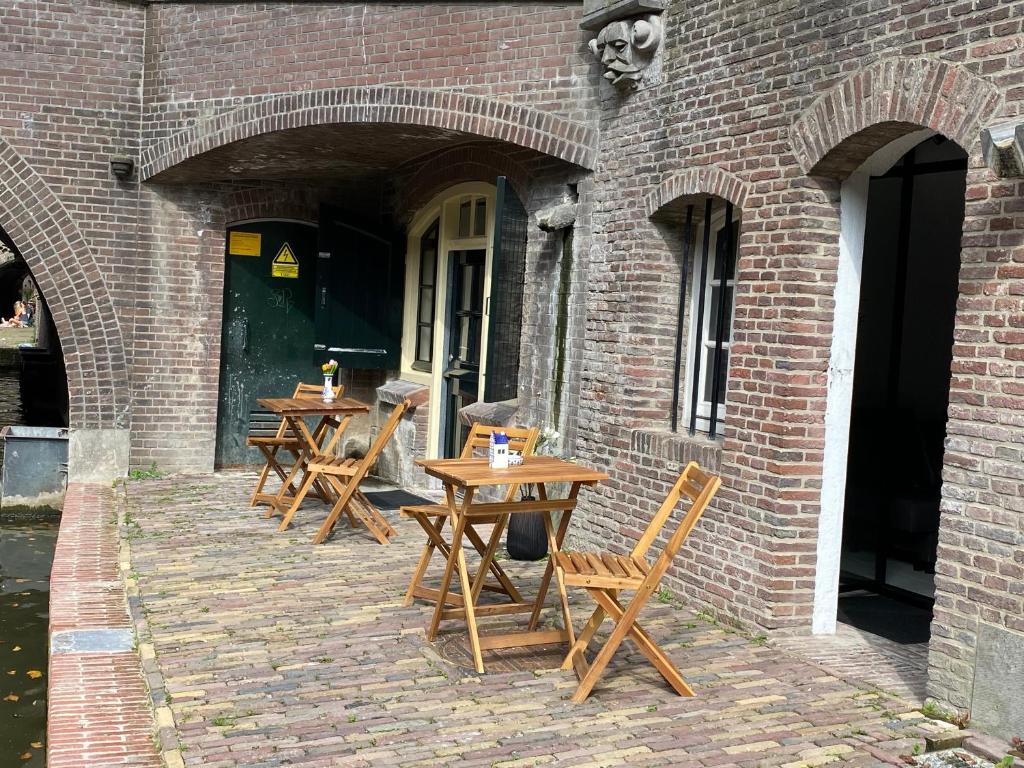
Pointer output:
267, 332
358, 294
464, 323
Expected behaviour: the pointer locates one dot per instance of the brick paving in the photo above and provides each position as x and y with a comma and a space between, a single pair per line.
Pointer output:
901, 669
263, 650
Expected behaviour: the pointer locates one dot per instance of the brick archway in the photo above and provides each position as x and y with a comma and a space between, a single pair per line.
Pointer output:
71, 281
885, 101
704, 180
475, 115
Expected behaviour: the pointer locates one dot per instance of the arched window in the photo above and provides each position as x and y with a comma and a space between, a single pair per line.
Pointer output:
709, 229
713, 243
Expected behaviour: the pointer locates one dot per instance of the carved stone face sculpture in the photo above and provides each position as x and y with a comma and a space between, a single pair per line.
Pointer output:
627, 48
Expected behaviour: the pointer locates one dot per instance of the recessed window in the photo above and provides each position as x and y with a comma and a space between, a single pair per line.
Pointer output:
710, 252
425, 298
715, 327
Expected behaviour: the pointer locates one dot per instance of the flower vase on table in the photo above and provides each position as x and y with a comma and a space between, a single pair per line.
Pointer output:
328, 369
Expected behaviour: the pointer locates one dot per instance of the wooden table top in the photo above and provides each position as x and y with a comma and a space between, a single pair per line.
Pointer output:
466, 473
312, 406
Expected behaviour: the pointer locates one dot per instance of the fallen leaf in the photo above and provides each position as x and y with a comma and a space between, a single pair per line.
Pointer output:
11, 697
35, 674
13, 672
16, 648
36, 745
27, 756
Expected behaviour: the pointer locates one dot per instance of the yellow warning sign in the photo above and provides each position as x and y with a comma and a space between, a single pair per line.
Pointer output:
244, 243
285, 264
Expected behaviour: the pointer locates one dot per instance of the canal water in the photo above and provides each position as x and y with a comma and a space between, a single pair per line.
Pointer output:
26, 555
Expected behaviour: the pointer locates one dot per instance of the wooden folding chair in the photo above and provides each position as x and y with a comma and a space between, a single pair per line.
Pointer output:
432, 518
272, 442
345, 475
603, 575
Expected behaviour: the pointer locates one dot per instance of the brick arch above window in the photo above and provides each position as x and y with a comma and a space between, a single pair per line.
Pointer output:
271, 202
523, 126
458, 165
71, 281
887, 100
702, 180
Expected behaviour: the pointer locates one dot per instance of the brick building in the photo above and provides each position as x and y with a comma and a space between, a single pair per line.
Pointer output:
765, 246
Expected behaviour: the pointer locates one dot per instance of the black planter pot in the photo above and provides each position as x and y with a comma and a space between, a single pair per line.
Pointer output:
526, 538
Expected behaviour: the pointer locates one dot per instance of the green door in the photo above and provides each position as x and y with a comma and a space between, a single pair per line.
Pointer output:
267, 335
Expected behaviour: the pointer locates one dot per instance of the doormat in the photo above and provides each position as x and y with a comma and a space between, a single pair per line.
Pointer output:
395, 499
886, 617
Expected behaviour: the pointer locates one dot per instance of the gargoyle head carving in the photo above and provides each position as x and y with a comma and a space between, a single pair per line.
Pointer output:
626, 48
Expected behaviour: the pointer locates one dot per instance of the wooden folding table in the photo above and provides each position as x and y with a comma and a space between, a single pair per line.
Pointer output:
471, 474
294, 411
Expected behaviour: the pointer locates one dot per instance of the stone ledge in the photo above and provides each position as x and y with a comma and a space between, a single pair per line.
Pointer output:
97, 706
394, 392
597, 13
489, 414
680, 448
92, 641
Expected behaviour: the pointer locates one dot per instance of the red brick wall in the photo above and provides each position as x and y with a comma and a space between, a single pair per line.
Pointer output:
736, 79
66, 108
523, 53
133, 266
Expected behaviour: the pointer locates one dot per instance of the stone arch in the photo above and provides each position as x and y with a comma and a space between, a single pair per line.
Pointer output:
66, 272
704, 180
885, 101
524, 126
457, 165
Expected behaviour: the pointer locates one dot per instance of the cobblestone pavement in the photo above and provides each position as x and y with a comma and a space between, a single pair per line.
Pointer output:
263, 650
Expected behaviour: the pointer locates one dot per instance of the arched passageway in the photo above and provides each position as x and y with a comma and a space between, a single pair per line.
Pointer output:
33, 379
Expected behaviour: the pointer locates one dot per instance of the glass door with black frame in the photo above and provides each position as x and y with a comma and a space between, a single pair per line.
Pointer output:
464, 323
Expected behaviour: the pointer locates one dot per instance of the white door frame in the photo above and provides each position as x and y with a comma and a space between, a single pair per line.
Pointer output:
853, 209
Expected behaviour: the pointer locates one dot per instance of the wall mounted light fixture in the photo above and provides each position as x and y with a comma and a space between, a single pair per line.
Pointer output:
122, 167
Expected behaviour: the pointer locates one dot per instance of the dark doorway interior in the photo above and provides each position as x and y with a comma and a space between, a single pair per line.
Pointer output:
464, 325
901, 391
33, 380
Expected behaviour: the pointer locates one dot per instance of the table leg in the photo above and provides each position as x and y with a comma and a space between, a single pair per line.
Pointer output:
278, 504
457, 558
563, 526
487, 556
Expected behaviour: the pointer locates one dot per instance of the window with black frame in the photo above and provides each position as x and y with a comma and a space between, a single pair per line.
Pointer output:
710, 236
425, 298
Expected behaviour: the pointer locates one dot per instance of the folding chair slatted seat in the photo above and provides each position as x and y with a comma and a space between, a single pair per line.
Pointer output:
270, 434
344, 475
604, 574
432, 518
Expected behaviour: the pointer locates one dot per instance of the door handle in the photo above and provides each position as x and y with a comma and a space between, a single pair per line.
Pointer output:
245, 335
